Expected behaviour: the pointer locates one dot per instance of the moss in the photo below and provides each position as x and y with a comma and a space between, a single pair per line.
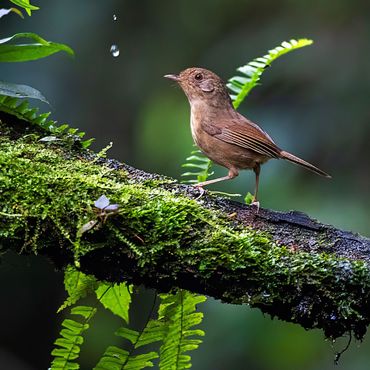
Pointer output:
164, 239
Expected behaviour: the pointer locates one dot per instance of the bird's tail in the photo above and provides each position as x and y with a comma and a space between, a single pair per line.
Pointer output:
292, 158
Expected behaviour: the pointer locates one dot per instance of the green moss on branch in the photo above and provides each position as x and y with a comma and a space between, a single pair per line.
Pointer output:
163, 238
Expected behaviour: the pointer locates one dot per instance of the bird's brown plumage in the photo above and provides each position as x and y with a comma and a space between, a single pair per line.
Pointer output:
223, 134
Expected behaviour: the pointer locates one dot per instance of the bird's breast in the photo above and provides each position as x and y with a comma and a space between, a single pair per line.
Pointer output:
193, 128
196, 117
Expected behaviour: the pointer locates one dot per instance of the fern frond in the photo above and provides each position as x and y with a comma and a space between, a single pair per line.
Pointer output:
71, 339
116, 298
177, 311
202, 166
118, 358
251, 73
20, 109
78, 285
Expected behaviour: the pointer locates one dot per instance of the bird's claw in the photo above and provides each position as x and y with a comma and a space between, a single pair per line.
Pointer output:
256, 204
201, 191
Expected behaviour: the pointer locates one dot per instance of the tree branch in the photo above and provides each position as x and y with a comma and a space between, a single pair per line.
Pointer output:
165, 235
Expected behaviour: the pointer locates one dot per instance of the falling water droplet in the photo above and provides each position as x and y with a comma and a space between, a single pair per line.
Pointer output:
114, 17
114, 50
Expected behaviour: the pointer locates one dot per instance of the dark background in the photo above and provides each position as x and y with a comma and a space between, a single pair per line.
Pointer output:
314, 102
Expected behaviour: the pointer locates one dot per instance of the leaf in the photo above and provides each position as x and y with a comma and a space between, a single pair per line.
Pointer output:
25, 4
178, 312
153, 332
21, 109
78, 285
117, 358
25, 52
49, 139
86, 227
199, 162
116, 298
131, 335
242, 85
7, 11
70, 339
20, 91
249, 198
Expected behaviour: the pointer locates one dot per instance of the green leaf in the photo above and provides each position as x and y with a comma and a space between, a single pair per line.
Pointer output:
32, 51
249, 198
116, 298
21, 91
200, 162
178, 312
142, 361
117, 358
78, 285
153, 332
70, 339
25, 4
242, 85
129, 334
21, 109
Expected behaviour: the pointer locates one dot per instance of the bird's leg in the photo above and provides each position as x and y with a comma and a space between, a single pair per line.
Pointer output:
257, 170
233, 172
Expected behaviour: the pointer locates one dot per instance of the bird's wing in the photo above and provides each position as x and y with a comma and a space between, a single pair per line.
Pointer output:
242, 132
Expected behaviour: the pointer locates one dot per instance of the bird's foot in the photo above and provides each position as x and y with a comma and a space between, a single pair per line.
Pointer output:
201, 190
256, 204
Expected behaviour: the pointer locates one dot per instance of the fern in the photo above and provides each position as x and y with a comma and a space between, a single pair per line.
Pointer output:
176, 317
251, 72
201, 164
177, 311
77, 285
22, 110
70, 341
117, 358
240, 87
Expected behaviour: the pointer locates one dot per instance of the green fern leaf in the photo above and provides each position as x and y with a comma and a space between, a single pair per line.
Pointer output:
71, 339
118, 358
153, 332
197, 161
177, 311
21, 110
78, 285
241, 86
116, 298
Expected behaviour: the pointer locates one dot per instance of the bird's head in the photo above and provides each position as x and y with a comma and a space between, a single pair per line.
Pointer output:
200, 84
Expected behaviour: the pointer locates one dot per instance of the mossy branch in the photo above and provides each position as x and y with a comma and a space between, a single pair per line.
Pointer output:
165, 236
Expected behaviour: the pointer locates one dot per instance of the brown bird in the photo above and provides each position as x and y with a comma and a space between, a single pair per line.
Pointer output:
224, 135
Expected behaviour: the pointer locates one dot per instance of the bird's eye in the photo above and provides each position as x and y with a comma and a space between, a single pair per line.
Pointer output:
198, 76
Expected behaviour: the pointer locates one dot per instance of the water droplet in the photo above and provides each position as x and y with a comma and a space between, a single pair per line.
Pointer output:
114, 50
114, 17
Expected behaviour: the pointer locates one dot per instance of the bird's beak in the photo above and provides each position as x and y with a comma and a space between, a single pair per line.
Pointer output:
173, 77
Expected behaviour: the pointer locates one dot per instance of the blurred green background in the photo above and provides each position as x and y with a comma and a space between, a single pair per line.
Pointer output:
314, 102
